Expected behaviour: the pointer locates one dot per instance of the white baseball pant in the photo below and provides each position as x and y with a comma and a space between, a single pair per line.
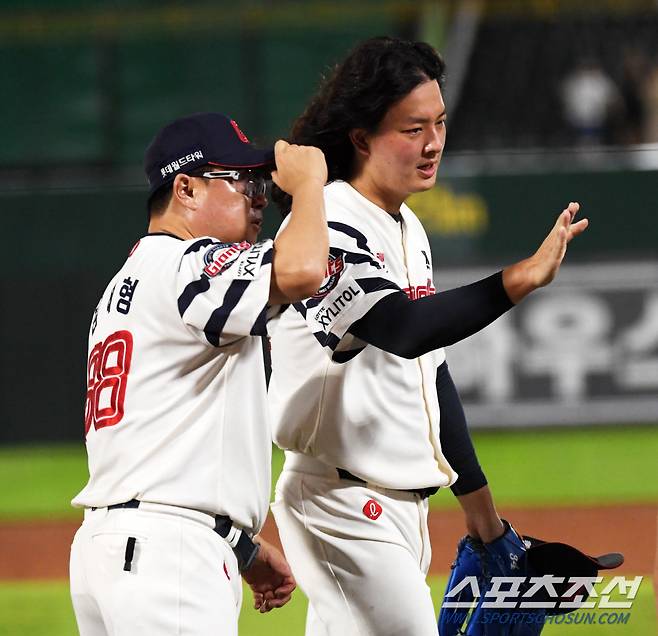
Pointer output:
182, 579
360, 554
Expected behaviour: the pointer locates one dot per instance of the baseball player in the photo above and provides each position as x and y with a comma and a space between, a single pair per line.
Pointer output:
176, 424
361, 396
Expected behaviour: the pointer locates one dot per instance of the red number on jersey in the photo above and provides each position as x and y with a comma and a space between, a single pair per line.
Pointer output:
107, 375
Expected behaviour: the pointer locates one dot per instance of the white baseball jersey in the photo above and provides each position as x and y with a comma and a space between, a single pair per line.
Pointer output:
354, 406
176, 407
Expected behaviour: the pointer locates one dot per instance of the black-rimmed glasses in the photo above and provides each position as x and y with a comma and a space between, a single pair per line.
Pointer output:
254, 185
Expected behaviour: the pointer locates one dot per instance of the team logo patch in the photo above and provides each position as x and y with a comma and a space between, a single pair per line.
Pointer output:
372, 510
335, 267
243, 138
220, 257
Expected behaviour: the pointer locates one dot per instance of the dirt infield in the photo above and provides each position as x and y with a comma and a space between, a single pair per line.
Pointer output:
39, 550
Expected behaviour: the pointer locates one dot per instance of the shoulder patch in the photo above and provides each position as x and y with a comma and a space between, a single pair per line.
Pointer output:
220, 257
335, 267
251, 261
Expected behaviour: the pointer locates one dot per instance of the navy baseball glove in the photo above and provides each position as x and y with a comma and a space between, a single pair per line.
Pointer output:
506, 556
468, 562
512, 556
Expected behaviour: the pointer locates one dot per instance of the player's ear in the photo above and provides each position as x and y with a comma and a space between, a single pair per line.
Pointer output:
183, 190
359, 139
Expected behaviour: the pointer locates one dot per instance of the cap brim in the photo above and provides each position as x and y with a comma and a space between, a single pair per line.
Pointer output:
248, 158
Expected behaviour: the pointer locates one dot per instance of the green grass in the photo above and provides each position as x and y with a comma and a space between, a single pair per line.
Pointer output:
31, 608
35, 609
579, 466
42, 480
525, 468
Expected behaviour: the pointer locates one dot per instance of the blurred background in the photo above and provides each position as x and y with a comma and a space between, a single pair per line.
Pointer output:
548, 101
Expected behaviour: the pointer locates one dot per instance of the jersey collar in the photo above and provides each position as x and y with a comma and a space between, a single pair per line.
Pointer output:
164, 234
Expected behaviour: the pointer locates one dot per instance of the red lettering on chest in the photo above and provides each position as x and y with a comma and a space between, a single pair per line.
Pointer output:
420, 291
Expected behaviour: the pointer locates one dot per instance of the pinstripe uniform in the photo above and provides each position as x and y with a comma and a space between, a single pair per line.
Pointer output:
362, 410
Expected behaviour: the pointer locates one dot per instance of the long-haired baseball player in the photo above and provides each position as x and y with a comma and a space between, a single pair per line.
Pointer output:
361, 395
176, 424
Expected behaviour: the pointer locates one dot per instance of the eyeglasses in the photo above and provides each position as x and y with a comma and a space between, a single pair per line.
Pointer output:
252, 185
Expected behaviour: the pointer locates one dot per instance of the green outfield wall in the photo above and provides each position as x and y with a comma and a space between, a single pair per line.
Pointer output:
63, 240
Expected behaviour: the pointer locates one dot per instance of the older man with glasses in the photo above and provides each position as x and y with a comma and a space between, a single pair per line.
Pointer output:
176, 424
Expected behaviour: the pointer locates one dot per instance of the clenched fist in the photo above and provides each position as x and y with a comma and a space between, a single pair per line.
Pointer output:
297, 166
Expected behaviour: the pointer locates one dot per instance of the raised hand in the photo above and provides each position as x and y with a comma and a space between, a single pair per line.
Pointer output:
541, 268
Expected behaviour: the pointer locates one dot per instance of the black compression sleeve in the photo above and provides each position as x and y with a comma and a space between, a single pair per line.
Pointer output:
455, 440
410, 328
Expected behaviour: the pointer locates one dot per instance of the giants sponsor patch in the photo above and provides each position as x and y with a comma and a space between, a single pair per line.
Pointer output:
335, 266
220, 257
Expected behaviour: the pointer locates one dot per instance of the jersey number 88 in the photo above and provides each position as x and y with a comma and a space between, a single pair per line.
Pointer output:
107, 376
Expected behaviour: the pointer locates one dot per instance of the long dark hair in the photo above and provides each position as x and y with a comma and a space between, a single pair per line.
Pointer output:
357, 94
